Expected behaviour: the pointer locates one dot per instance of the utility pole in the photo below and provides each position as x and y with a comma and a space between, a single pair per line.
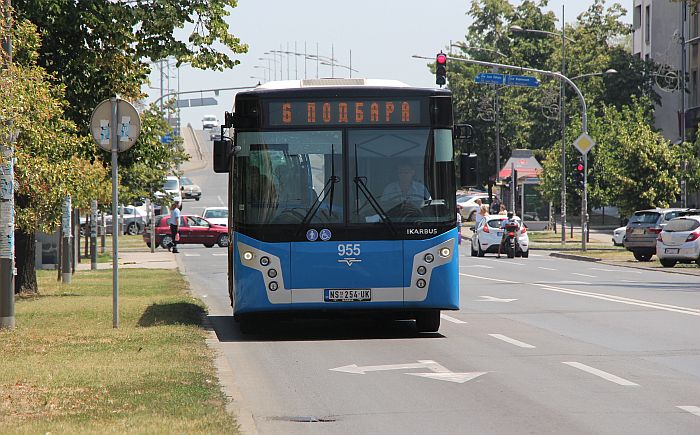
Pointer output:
562, 105
684, 9
7, 199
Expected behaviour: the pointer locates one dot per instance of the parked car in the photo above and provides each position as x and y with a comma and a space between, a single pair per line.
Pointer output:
679, 241
644, 227
189, 189
214, 136
469, 206
216, 215
488, 234
134, 221
619, 236
209, 121
193, 230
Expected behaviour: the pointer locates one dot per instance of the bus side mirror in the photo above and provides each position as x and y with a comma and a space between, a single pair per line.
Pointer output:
223, 149
468, 169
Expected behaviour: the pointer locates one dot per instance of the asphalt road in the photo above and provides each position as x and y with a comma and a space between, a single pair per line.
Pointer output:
540, 345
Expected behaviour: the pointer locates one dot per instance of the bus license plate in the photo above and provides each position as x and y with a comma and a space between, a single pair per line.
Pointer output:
671, 250
347, 295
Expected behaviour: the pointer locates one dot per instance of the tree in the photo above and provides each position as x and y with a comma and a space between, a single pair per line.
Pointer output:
631, 166
98, 48
48, 166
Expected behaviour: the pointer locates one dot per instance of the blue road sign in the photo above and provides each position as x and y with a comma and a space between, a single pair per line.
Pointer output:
490, 78
528, 81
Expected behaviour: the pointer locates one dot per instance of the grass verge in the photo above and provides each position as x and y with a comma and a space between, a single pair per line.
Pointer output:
66, 370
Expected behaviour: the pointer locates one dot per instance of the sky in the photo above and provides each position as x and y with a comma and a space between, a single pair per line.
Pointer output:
375, 37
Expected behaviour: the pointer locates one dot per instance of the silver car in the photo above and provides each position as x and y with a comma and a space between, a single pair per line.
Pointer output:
644, 227
679, 241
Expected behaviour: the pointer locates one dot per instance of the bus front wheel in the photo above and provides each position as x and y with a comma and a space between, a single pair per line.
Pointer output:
428, 321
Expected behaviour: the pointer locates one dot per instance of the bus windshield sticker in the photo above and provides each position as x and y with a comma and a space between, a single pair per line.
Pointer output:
344, 112
325, 234
312, 235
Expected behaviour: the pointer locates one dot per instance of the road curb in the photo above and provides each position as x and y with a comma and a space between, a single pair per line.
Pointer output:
574, 257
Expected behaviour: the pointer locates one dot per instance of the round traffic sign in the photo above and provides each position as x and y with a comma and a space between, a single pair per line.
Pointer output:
128, 125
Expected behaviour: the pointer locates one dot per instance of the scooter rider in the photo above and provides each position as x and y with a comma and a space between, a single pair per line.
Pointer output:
504, 223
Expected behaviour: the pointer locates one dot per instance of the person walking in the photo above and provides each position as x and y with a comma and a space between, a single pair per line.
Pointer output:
174, 222
481, 214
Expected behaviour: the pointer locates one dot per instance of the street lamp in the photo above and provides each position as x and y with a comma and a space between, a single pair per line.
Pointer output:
340, 66
564, 38
609, 71
467, 48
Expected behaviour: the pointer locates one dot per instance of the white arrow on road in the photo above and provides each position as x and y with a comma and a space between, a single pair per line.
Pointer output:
493, 299
459, 378
439, 372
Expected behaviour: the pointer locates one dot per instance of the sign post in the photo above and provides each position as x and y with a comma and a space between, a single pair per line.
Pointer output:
584, 143
115, 127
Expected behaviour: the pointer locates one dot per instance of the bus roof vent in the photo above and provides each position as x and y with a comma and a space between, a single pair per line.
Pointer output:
332, 82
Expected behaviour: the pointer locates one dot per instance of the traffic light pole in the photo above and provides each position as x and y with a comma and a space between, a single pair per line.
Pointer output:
584, 204
584, 119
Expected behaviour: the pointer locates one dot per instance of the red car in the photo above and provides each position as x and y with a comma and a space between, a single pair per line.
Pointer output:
193, 230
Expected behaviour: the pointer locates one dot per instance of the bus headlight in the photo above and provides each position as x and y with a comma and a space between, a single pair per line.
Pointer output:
428, 258
247, 255
421, 270
264, 261
420, 283
445, 252
273, 286
272, 273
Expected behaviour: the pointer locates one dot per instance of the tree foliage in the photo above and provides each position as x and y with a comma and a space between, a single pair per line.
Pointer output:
99, 48
530, 118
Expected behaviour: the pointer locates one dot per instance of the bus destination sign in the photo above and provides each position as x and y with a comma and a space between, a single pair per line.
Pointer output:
344, 112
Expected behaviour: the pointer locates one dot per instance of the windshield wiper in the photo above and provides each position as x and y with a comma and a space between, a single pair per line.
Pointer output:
361, 186
328, 190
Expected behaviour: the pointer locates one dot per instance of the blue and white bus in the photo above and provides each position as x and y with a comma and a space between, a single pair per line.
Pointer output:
341, 199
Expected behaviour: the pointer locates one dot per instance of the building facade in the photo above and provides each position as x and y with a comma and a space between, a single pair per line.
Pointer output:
659, 29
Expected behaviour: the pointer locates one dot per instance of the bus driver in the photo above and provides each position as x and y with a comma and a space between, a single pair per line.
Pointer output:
405, 190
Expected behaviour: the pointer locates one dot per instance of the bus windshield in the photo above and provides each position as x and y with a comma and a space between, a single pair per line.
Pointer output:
282, 175
391, 177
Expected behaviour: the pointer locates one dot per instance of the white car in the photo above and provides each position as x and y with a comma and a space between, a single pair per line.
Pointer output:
619, 236
189, 189
679, 241
216, 215
469, 206
488, 235
209, 121
172, 189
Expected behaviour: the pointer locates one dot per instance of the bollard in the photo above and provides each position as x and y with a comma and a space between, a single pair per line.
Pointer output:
66, 242
572, 229
93, 235
103, 234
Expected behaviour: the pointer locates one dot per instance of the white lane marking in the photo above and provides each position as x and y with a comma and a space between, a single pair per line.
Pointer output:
622, 300
563, 282
545, 268
536, 255
221, 201
603, 270
493, 299
605, 375
512, 341
191, 255
220, 255
691, 409
451, 319
517, 264
458, 378
490, 279
583, 274
483, 266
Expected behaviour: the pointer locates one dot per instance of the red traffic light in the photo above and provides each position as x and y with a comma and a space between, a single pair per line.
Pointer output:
441, 58
579, 167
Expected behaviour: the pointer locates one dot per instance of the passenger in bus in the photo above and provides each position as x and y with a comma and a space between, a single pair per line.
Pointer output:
406, 190
263, 196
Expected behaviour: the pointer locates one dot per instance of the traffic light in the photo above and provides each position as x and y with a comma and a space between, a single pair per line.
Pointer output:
578, 174
441, 69
468, 169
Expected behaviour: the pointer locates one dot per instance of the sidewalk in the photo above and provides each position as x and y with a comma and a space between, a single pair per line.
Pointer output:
138, 260
198, 156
